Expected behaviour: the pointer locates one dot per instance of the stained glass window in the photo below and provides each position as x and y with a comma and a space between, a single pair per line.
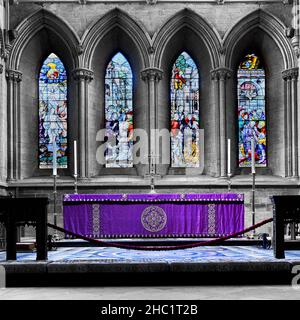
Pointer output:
52, 112
251, 111
184, 113
118, 113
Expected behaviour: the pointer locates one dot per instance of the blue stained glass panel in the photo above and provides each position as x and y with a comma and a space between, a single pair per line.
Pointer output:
119, 113
52, 113
251, 111
184, 96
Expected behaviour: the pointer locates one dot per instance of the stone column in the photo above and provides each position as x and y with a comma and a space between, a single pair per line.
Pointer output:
294, 83
83, 77
219, 77
152, 76
14, 78
290, 77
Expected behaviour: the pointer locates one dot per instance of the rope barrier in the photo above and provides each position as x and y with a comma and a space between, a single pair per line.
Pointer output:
161, 248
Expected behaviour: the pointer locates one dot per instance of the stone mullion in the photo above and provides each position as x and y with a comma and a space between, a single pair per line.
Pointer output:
294, 123
215, 97
291, 115
289, 127
15, 131
152, 76
222, 74
10, 128
13, 77
86, 126
286, 125
223, 133
83, 77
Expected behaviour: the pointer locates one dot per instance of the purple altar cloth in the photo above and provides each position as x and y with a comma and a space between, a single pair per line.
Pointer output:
153, 215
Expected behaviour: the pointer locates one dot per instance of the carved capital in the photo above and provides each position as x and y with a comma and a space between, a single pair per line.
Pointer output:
151, 74
290, 74
13, 75
221, 74
151, 50
1, 68
79, 49
83, 74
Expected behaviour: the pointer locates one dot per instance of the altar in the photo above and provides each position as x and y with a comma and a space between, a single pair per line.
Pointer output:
153, 215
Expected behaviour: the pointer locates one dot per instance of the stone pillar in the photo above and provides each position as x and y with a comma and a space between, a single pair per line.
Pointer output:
152, 76
219, 78
14, 78
83, 77
290, 77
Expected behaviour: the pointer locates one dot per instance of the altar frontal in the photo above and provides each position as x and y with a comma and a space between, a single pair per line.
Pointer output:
153, 215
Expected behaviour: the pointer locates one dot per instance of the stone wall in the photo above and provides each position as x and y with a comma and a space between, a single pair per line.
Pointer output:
3, 128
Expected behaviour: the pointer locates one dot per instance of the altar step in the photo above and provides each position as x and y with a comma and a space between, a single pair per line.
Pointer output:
95, 273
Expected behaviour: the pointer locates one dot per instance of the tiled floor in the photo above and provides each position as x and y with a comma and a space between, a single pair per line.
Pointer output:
199, 254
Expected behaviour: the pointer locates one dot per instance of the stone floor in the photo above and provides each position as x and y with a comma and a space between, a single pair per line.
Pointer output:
156, 293
198, 254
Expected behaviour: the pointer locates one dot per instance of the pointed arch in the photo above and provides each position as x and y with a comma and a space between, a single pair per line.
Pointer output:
43, 19
119, 113
187, 19
53, 113
267, 23
184, 98
112, 19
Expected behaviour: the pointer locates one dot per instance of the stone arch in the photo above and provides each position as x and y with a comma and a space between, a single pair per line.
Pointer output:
38, 35
269, 24
114, 32
36, 22
187, 19
262, 34
187, 31
115, 19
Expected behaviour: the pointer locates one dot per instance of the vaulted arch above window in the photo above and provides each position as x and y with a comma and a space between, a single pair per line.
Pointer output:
184, 97
53, 112
252, 111
119, 113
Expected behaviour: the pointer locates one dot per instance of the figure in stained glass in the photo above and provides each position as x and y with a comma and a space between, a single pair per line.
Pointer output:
251, 111
184, 112
52, 112
119, 113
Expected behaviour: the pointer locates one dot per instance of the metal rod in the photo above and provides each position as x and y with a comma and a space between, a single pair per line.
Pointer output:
54, 199
229, 182
253, 200
152, 173
54, 204
76, 183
